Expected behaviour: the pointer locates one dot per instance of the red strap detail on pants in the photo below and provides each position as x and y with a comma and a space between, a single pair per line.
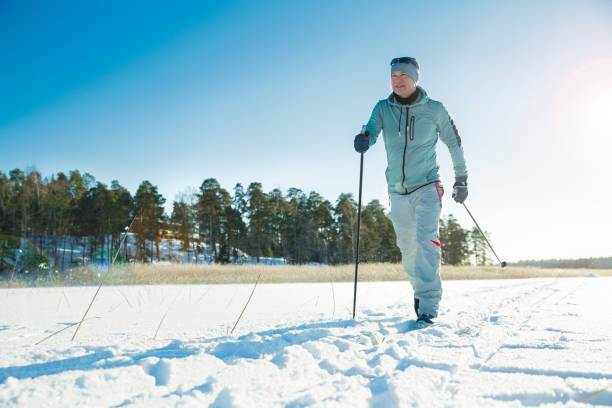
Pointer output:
438, 191
437, 243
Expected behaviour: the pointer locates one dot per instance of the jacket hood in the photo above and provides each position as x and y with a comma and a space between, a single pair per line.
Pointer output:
420, 100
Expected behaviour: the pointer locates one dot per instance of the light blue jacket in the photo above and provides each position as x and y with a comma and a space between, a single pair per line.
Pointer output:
410, 133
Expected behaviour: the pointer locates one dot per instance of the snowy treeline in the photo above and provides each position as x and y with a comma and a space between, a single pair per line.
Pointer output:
585, 263
48, 221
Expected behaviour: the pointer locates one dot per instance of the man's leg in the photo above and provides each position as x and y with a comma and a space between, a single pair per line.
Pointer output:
402, 217
427, 283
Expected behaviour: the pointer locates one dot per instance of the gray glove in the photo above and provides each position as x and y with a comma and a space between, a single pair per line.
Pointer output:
460, 191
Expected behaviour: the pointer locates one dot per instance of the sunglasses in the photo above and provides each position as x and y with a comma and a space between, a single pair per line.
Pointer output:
403, 60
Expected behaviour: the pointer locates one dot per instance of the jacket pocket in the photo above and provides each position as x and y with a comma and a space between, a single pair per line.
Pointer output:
412, 128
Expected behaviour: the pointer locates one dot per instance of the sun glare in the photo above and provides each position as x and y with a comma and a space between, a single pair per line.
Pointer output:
598, 113
584, 108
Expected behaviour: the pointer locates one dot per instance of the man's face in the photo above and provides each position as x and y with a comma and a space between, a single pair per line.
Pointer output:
402, 84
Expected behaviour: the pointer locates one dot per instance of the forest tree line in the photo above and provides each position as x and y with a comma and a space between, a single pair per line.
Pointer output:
45, 219
580, 263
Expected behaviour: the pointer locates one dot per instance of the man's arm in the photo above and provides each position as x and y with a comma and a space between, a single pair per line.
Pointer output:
375, 124
450, 136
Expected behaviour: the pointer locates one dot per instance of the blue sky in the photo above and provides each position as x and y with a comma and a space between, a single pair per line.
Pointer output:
274, 92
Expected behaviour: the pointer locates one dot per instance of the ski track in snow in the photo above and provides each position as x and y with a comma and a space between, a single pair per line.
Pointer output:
508, 343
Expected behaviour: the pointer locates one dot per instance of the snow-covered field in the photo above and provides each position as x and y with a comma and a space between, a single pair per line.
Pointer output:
508, 343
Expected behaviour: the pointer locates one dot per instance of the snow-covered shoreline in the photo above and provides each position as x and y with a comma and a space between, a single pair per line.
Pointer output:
497, 343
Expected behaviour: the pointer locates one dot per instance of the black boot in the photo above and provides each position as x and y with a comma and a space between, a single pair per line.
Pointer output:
416, 306
424, 321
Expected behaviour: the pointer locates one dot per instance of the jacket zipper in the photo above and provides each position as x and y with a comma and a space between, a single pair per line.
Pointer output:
405, 146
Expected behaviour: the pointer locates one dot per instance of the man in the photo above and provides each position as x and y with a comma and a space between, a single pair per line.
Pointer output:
411, 123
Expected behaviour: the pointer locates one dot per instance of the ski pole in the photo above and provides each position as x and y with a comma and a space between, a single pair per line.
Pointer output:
503, 264
358, 230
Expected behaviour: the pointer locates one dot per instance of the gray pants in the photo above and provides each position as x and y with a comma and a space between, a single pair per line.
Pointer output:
416, 219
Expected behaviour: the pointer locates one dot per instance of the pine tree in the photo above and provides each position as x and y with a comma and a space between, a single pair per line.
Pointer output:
279, 224
320, 214
78, 186
8, 242
454, 240
5, 201
149, 211
59, 199
122, 211
369, 239
239, 200
299, 226
257, 210
17, 206
479, 248
212, 203
346, 228
233, 234
379, 235
92, 217
183, 224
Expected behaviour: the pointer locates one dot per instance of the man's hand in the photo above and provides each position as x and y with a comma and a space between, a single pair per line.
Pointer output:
460, 191
362, 143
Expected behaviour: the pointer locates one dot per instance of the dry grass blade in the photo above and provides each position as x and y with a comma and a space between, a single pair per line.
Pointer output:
331, 281
65, 297
165, 314
245, 306
59, 331
595, 394
115, 307
125, 297
103, 279
160, 324
202, 297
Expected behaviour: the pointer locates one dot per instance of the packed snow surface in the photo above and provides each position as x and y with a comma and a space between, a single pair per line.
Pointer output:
507, 343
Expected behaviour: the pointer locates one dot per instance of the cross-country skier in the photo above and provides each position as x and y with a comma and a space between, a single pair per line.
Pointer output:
411, 123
